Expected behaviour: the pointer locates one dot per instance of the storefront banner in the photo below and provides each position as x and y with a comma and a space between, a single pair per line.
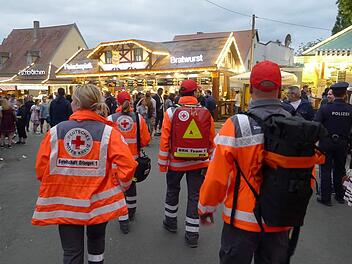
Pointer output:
32, 87
32, 72
183, 59
124, 66
82, 67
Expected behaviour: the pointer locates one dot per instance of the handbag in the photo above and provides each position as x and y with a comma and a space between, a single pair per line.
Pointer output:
144, 162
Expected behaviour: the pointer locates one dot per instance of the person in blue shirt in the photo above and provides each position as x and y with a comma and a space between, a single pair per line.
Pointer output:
60, 108
210, 102
337, 119
298, 106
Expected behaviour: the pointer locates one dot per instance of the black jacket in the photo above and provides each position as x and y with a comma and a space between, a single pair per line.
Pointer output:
304, 109
60, 110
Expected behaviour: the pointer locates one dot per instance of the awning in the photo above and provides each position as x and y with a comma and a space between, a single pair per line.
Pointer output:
286, 77
7, 87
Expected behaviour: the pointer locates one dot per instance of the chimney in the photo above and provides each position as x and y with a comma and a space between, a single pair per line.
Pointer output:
35, 30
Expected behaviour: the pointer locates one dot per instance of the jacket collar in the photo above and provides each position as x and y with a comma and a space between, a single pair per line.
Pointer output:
81, 115
188, 100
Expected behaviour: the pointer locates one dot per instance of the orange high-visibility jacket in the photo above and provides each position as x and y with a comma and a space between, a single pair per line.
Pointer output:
243, 141
84, 166
166, 160
126, 124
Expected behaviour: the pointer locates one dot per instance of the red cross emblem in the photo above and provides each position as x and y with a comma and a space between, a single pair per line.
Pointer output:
184, 115
78, 142
125, 123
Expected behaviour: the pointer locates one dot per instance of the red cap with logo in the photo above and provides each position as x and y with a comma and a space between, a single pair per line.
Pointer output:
122, 97
189, 86
266, 76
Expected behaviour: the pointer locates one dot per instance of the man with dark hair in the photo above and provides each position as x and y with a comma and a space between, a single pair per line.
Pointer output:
210, 102
110, 101
60, 108
337, 119
28, 105
159, 111
296, 105
304, 92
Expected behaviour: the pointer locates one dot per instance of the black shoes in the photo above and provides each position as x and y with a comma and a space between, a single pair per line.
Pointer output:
124, 227
191, 239
171, 227
326, 203
340, 200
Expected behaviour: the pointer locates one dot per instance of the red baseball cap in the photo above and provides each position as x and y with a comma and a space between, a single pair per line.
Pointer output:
122, 97
189, 86
266, 76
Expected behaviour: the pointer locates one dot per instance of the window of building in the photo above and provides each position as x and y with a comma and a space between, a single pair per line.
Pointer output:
108, 57
138, 54
4, 56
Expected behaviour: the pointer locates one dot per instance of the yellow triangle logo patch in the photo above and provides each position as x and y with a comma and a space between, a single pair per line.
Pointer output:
192, 131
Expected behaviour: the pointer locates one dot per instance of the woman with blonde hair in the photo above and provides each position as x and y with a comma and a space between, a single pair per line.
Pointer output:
126, 121
84, 166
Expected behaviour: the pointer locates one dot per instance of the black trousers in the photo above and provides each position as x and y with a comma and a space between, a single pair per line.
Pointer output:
240, 246
335, 161
72, 241
194, 182
159, 119
21, 128
131, 201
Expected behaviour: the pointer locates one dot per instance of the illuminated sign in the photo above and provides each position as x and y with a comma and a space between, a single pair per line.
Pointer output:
32, 72
124, 66
82, 67
174, 60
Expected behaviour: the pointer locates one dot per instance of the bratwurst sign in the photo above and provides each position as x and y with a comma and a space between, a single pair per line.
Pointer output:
182, 59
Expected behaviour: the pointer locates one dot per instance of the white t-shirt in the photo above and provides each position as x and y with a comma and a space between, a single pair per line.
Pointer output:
238, 100
296, 104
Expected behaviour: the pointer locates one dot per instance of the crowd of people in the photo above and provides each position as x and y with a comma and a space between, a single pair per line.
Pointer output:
98, 136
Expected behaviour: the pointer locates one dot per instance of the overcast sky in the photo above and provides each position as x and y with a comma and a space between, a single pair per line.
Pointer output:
160, 20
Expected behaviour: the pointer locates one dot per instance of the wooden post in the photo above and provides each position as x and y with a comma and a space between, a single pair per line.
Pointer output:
215, 80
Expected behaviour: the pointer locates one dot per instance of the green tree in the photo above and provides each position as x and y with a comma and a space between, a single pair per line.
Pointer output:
344, 15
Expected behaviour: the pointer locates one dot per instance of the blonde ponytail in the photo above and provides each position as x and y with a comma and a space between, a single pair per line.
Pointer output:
126, 107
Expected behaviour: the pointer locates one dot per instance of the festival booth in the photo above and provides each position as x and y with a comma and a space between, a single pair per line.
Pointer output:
36, 80
139, 65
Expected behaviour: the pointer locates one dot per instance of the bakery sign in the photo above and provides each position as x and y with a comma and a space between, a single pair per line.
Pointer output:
77, 66
32, 72
183, 59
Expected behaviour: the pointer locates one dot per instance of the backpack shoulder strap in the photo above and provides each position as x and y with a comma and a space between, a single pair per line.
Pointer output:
138, 133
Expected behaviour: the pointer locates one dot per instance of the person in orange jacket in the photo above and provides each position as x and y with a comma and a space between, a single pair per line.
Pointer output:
125, 119
176, 167
240, 141
84, 165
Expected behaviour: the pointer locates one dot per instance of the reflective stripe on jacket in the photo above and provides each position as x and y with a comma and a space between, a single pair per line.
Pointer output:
126, 124
165, 158
239, 139
84, 166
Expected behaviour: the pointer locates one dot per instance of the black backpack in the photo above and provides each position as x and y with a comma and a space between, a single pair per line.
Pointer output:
290, 155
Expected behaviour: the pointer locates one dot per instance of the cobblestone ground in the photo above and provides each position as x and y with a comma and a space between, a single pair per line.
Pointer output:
325, 239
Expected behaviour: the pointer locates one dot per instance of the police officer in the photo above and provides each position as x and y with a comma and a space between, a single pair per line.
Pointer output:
337, 118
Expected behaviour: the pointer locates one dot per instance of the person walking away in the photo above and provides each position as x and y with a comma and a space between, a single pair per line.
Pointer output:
185, 147
7, 124
35, 111
169, 102
59, 109
210, 102
29, 103
159, 111
296, 105
110, 102
125, 120
21, 122
83, 165
235, 177
336, 117
142, 108
237, 100
44, 114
